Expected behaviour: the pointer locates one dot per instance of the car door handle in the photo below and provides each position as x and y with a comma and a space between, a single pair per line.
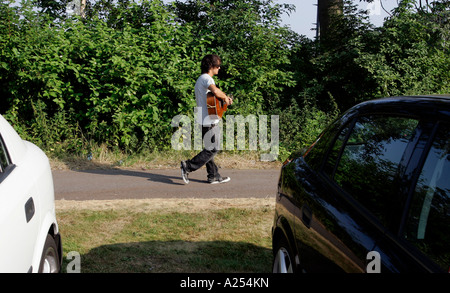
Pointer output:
29, 209
306, 215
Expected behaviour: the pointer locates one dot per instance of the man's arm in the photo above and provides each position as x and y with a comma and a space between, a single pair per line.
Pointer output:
220, 94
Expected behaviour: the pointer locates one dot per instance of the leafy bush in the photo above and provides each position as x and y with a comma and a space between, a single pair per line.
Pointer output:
121, 87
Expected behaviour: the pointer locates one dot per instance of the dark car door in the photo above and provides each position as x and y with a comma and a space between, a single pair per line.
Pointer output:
422, 243
350, 199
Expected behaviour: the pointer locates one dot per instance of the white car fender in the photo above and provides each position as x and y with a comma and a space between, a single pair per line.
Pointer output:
46, 205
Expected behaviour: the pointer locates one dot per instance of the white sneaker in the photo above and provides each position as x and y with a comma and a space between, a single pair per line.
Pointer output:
184, 172
219, 180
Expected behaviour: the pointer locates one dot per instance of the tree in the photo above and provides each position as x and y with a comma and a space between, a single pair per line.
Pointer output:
412, 53
328, 10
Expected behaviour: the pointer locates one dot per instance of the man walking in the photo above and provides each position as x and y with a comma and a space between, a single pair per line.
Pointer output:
210, 66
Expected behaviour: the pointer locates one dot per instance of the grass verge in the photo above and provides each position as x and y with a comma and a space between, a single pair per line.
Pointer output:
103, 158
168, 235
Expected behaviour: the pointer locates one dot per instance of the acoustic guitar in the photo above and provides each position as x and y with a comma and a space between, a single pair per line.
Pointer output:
216, 107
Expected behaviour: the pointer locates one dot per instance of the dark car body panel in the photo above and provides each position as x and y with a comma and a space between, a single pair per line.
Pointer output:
327, 228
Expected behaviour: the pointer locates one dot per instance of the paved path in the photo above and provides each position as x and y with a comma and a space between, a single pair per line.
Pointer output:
138, 184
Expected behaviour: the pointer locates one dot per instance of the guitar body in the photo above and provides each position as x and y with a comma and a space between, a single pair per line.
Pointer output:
216, 107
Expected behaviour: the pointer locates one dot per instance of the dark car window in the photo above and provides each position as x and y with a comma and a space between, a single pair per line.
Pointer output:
369, 162
428, 223
315, 155
333, 154
4, 161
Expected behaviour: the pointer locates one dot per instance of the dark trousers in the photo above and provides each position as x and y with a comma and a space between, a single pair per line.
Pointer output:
206, 156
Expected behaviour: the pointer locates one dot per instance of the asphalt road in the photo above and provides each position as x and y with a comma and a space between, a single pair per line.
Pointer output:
139, 184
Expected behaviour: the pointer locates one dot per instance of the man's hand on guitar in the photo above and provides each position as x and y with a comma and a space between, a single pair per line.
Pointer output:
229, 100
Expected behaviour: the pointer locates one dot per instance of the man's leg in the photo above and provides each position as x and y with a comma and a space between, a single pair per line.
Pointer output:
202, 158
199, 160
212, 169
206, 156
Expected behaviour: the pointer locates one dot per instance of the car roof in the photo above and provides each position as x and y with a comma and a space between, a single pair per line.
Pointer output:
432, 106
431, 98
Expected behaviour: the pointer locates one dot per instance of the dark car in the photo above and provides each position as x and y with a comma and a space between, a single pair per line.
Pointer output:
372, 194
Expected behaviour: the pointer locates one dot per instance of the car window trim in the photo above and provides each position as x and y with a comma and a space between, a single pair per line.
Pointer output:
8, 157
351, 124
8, 170
344, 143
416, 171
4, 172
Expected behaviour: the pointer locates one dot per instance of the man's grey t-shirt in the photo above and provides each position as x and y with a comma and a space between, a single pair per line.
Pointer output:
201, 90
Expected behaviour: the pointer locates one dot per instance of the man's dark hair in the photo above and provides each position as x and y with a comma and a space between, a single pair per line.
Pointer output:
210, 61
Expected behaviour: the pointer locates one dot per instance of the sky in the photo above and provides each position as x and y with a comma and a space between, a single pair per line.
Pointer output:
305, 15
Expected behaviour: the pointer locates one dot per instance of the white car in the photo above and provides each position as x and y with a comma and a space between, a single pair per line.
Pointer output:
29, 235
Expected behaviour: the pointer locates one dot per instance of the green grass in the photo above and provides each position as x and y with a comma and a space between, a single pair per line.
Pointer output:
103, 158
176, 239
